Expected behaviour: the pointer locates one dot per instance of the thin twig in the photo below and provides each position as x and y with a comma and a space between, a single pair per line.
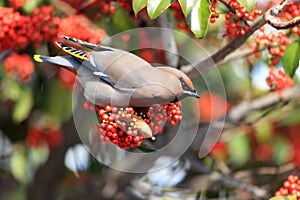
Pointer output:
227, 180
266, 171
237, 55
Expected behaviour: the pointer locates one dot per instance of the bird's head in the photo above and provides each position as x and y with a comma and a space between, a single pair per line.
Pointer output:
187, 86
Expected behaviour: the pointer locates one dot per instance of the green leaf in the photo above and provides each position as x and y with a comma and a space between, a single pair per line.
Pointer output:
284, 198
29, 6
18, 164
156, 7
290, 60
11, 89
23, 106
248, 4
198, 18
187, 6
122, 20
138, 5
239, 149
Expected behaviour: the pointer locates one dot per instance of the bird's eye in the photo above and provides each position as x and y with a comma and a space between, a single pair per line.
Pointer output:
185, 87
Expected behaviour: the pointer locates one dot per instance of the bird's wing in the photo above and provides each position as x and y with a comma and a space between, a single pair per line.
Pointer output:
83, 58
80, 55
91, 46
122, 67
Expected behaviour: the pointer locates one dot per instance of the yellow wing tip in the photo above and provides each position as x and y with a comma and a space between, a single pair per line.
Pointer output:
37, 58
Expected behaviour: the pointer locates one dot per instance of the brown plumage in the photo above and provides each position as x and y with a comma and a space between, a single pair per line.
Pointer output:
115, 77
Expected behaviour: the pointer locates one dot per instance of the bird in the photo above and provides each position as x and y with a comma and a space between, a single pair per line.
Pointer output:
115, 77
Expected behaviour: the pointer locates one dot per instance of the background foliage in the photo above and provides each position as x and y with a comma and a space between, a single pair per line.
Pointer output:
258, 147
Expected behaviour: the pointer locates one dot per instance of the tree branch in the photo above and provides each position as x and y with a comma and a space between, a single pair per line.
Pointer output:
240, 111
241, 53
207, 64
278, 24
273, 20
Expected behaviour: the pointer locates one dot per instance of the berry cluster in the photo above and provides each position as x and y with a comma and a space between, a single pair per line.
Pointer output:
158, 114
16, 4
43, 25
214, 15
291, 187
291, 11
18, 31
278, 80
13, 29
69, 26
38, 136
19, 65
276, 44
119, 126
128, 127
237, 18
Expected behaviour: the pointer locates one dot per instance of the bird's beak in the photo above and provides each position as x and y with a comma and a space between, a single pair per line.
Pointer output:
186, 94
194, 94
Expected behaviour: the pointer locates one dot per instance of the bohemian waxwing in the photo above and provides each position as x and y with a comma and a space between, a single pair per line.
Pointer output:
115, 77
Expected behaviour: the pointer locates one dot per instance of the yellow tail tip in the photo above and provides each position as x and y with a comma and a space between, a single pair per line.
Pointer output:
37, 58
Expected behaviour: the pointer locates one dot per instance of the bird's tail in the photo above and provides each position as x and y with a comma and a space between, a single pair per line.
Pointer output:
66, 61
